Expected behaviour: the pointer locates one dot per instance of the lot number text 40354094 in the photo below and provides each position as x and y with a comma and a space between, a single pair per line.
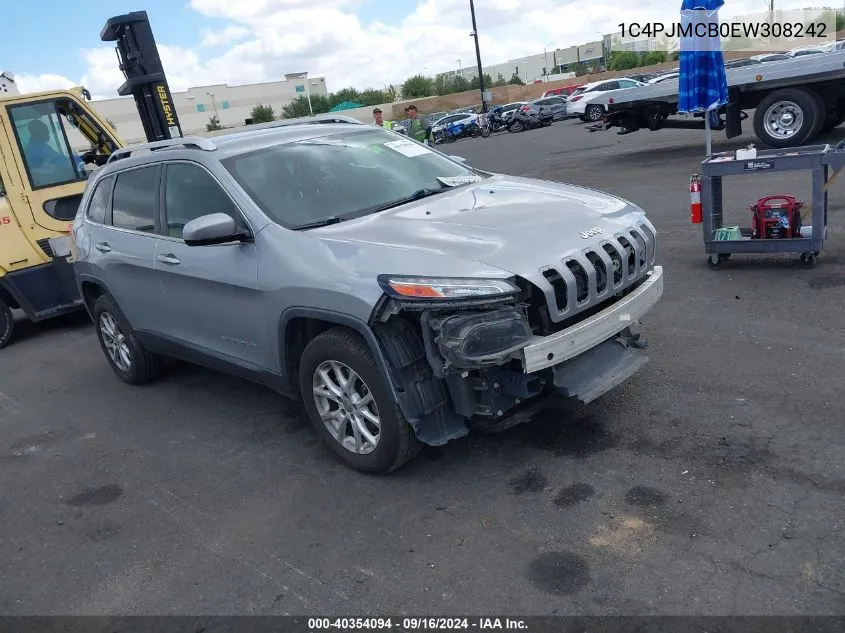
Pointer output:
408, 624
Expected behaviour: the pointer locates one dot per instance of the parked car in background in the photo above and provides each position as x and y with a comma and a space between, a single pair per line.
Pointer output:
563, 91
662, 78
509, 108
739, 63
579, 103
770, 57
555, 105
801, 52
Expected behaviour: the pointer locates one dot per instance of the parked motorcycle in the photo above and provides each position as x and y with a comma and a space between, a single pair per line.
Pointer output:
459, 129
529, 117
493, 123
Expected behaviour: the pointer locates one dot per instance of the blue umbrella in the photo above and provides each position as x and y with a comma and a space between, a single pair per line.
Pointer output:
702, 85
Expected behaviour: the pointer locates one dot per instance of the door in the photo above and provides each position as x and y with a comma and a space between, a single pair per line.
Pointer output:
212, 291
49, 136
122, 248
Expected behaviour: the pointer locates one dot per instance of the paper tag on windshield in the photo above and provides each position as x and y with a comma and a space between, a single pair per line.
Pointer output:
408, 148
457, 181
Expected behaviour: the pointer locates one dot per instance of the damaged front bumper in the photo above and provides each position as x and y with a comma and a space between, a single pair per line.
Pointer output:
491, 361
547, 351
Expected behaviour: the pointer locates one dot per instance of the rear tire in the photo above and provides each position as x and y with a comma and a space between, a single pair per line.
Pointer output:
342, 352
130, 360
787, 117
7, 324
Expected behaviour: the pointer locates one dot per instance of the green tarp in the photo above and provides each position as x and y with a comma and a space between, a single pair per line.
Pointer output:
346, 105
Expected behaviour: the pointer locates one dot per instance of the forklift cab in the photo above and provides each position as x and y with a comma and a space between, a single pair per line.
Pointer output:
49, 144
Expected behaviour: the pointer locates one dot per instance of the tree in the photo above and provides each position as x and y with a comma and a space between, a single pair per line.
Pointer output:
624, 60
372, 97
488, 82
347, 94
515, 79
262, 114
417, 86
299, 107
213, 124
500, 81
654, 57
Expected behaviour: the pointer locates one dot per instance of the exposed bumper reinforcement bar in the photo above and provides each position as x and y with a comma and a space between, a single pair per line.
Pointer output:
598, 371
548, 351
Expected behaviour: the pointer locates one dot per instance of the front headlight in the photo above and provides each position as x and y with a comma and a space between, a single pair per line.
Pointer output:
445, 287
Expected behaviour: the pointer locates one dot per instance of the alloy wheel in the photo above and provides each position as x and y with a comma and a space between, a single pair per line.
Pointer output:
115, 342
346, 406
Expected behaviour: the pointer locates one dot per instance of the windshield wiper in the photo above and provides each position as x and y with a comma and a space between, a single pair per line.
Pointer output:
318, 223
419, 194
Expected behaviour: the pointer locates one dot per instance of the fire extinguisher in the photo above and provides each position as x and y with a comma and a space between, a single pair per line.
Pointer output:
695, 199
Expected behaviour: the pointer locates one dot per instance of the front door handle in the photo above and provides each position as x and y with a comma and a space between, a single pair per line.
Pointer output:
169, 259
103, 247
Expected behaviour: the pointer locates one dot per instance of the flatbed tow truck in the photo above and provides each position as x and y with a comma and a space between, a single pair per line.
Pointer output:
42, 178
794, 100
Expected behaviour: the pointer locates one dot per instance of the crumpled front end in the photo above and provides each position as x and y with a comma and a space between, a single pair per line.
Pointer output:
573, 329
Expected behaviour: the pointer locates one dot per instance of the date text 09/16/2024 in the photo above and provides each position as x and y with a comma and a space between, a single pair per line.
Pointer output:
408, 624
726, 30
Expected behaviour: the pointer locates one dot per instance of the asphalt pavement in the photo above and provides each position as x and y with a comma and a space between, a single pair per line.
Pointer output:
710, 483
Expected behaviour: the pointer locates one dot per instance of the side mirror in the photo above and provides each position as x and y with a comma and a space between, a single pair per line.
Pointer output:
214, 228
460, 159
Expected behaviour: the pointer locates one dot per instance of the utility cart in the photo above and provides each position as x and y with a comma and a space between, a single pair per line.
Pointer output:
780, 224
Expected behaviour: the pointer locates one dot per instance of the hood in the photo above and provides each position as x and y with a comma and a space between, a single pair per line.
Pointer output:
515, 224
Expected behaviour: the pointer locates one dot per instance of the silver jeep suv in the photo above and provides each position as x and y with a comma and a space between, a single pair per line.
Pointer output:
404, 296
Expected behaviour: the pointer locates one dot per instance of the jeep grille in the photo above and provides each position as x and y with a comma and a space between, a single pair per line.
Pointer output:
581, 281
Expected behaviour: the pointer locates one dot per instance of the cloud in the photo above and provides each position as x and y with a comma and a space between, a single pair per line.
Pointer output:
261, 40
226, 36
38, 83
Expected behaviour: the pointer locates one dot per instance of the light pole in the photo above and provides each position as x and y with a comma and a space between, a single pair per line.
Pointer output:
460, 69
604, 56
478, 57
546, 61
308, 94
213, 104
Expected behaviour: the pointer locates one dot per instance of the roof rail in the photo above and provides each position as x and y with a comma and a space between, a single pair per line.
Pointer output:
305, 120
191, 142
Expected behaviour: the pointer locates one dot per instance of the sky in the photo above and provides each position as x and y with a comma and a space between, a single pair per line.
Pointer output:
359, 43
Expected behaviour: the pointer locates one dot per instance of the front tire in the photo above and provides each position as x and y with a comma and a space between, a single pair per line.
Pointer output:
516, 127
132, 363
7, 324
350, 404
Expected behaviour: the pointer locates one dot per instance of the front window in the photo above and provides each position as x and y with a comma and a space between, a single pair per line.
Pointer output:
42, 137
342, 176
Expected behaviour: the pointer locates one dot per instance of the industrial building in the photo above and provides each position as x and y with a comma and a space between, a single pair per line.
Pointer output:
558, 63
232, 105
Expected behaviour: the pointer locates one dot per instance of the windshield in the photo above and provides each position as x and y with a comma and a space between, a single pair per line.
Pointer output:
341, 175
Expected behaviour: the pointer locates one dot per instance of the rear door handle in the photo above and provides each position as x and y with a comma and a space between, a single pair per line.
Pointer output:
169, 259
103, 247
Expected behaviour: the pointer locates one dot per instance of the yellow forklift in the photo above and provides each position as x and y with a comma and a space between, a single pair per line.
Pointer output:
43, 175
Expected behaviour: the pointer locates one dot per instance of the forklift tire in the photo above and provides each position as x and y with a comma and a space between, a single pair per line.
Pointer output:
7, 324
137, 365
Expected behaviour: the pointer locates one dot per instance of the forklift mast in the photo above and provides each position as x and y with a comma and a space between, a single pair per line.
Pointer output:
140, 63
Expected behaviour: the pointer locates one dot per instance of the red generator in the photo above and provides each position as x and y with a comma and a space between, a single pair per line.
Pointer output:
776, 217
